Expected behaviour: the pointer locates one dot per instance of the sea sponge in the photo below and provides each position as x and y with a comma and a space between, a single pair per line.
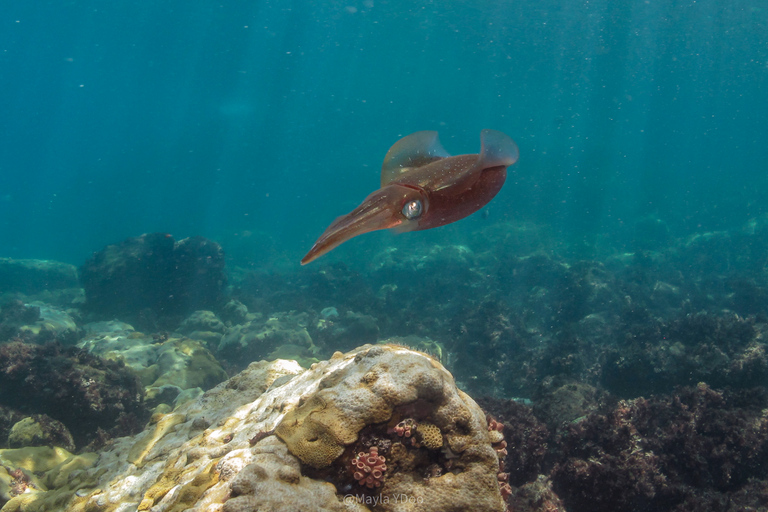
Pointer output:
429, 436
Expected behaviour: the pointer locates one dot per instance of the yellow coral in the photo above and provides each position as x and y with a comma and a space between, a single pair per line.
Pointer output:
429, 436
311, 444
309, 440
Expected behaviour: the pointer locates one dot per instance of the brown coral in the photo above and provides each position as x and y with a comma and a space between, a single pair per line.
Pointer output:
429, 436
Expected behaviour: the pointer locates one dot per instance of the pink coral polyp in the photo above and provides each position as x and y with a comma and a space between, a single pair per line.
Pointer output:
369, 468
405, 428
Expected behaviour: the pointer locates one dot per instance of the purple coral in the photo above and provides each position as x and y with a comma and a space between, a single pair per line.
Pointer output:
368, 468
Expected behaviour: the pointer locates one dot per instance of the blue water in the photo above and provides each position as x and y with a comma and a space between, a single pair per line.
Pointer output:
257, 123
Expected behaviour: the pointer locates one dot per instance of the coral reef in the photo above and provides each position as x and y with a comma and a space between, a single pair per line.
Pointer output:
36, 322
428, 435
40, 430
167, 365
527, 438
89, 395
281, 335
719, 349
273, 481
204, 326
661, 452
219, 450
696, 449
422, 391
405, 428
609, 355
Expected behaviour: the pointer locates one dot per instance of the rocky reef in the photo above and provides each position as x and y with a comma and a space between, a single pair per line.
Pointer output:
280, 438
614, 381
90, 396
31, 277
151, 278
37, 322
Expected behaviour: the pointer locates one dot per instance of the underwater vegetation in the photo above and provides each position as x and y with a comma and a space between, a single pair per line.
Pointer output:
693, 449
632, 382
90, 396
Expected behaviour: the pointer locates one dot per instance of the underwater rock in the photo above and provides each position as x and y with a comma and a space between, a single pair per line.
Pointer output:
281, 335
234, 312
204, 326
34, 276
25, 473
106, 327
396, 264
164, 364
344, 332
513, 237
588, 288
309, 290
91, 396
50, 324
8, 418
14, 314
567, 403
155, 273
206, 321
536, 496
220, 449
40, 430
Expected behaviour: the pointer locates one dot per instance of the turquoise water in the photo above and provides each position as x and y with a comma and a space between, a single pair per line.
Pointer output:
257, 123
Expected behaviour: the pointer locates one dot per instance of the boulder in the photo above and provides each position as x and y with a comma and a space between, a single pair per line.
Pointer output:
220, 452
153, 276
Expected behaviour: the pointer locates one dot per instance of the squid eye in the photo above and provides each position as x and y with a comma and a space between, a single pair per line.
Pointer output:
412, 209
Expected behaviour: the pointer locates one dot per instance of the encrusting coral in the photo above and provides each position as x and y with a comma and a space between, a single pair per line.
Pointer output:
218, 453
428, 436
392, 385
